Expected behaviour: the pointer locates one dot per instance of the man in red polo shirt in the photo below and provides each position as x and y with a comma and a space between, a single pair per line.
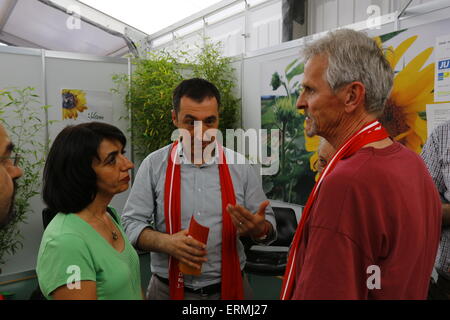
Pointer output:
371, 227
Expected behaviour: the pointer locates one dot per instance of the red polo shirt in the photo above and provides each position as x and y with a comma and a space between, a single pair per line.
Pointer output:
378, 210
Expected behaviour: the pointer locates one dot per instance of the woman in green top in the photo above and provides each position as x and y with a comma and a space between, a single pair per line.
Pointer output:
84, 253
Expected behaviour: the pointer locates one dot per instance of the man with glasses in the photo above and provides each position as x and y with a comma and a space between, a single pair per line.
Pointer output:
9, 172
437, 158
325, 153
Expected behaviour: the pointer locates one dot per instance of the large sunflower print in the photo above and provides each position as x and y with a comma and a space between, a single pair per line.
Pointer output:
411, 92
73, 101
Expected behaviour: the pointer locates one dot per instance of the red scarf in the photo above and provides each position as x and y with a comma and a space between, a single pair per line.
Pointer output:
232, 288
372, 132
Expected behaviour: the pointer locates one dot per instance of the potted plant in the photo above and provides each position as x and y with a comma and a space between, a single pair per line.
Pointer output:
149, 92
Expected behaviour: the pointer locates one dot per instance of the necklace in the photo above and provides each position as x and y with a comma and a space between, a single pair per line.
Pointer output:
113, 233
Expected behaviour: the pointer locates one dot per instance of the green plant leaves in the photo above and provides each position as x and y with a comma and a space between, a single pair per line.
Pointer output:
391, 35
23, 125
296, 71
276, 81
149, 98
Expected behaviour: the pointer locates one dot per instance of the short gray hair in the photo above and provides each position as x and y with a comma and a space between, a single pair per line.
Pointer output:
353, 56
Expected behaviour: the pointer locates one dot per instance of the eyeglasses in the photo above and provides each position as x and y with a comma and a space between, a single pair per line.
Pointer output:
320, 164
12, 160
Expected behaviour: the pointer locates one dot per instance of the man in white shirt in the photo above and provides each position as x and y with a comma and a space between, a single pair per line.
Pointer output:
201, 185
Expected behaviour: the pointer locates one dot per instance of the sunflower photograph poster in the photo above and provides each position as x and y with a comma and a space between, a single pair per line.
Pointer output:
410, 53
78, 106
280, 84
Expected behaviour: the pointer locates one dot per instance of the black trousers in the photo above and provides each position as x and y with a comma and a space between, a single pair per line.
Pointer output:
440, 289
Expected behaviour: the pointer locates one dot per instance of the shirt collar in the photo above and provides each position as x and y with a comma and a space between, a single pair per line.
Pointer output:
185, 160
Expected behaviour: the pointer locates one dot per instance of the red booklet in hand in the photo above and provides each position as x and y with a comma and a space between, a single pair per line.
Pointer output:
199, 233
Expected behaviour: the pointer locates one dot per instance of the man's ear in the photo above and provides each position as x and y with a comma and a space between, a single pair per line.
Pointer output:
174, 118
354, 96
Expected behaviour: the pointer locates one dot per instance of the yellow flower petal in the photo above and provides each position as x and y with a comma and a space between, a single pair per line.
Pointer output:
410, 118
400, 51
312, 144
378, 41
403, 135
414, 142
418, 104
420, 127
417, 63
405, 90
389, 53
410, 72
411, 92
80, 108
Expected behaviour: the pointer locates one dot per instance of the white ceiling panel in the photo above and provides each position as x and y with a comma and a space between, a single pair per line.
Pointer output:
36, 24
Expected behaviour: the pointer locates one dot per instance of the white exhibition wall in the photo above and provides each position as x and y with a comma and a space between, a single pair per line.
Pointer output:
259, 25
21, 68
